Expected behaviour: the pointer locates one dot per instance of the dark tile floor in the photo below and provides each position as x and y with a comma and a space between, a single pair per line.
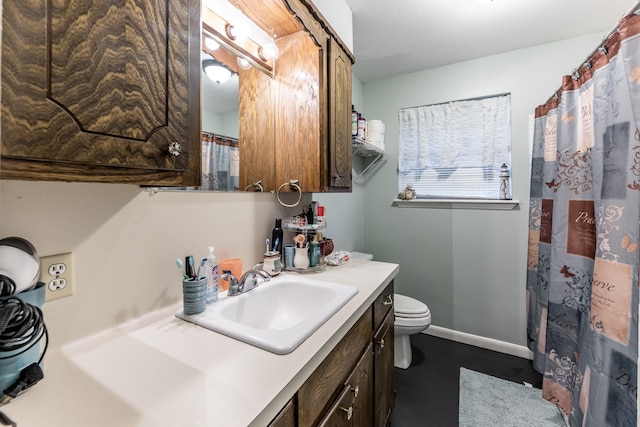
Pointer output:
427, 392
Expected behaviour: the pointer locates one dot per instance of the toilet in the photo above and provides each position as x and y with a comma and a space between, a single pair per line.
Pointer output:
411, 317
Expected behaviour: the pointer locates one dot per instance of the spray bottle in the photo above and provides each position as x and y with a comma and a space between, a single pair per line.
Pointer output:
212, 277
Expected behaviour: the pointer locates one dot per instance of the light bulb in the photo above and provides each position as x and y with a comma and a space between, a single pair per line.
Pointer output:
269, 51
211, 44
238, 30
243, 63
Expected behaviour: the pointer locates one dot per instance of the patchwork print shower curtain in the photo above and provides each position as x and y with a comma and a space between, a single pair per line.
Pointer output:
582, 269
220, 163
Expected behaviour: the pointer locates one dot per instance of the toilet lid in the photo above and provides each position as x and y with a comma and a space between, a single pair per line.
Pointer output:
405, 306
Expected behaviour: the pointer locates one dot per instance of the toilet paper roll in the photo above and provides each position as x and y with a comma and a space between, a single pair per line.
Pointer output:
375, 133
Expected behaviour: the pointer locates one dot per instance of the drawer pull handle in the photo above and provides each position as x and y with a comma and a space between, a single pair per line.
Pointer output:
382, 343
355, 391
348, 411
388, 300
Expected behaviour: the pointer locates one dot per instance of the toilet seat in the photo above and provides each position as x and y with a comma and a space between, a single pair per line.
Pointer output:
409, 308
413, 322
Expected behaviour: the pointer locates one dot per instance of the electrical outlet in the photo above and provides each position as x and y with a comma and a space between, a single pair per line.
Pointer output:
56, 271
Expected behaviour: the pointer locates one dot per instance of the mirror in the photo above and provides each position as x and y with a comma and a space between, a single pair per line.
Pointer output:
220, 152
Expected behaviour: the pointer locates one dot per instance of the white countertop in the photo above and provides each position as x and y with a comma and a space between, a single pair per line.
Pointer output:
162, 371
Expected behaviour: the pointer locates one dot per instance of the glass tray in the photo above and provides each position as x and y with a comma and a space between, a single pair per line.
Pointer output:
314, 269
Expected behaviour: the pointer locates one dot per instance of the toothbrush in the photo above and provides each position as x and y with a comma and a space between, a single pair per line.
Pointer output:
268, 247
203, 262
180, 265
190, 266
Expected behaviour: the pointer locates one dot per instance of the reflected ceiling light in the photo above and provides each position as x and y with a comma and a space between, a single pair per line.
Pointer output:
269, 51
216, 71
243, 63
211, 44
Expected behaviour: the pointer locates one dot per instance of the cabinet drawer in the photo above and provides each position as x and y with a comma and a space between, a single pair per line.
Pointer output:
382, 305
321, 389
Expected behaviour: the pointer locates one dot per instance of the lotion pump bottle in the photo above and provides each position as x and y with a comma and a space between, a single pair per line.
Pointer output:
212, 277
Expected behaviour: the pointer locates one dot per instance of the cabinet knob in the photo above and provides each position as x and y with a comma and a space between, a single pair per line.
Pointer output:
381, 343
175, 149
388, 300
348, 411
355, 390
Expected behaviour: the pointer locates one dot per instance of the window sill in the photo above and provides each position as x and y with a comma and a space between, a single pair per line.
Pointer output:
505, 205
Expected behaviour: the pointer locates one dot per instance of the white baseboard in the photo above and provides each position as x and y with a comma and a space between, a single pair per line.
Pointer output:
478, 341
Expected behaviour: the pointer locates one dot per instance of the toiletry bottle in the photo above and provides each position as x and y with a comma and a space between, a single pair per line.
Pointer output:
276, 236
321, 220
362, 127
212, 277
354, 122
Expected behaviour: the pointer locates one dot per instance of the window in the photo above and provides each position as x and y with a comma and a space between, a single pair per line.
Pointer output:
455, 150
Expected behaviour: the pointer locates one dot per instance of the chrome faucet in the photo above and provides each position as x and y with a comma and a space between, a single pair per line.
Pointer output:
248, 281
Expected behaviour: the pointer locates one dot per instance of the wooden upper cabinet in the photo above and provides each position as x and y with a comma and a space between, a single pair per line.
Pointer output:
299, 137
97, 91
310, 94
339, 79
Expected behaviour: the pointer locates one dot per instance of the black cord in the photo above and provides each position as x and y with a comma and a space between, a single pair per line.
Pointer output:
6, 421
7, 286
21, 327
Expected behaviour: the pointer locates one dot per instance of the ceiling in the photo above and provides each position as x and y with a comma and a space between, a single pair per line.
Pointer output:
401, 36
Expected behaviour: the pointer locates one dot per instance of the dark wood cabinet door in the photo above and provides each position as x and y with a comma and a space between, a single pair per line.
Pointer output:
339, 117
383, 362
286, 417
97, 91
354, 406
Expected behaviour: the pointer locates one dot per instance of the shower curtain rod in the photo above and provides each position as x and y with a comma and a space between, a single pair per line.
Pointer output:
631, 10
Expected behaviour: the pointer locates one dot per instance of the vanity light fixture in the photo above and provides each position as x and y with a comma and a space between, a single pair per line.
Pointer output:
238, 34
216, 71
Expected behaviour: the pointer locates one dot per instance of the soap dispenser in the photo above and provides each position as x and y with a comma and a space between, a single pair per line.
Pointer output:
276, 236
212, 277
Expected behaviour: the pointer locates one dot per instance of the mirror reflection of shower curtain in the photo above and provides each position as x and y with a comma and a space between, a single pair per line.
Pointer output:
220, 163
584, 221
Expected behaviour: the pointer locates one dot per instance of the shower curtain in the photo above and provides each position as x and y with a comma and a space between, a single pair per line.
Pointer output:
582, 267
220, 163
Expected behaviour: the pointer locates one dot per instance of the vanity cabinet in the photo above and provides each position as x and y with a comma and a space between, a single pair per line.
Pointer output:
101, 92
309, 97
353, 385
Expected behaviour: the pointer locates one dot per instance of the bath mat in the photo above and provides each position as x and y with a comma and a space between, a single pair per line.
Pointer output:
487, 401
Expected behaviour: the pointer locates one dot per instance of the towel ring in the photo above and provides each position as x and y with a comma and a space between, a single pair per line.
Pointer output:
257, 187
293, 183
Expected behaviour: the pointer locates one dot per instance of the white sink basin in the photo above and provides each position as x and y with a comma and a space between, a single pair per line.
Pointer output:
278, 315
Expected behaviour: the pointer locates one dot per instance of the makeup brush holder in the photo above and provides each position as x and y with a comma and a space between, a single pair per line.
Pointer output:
301, 259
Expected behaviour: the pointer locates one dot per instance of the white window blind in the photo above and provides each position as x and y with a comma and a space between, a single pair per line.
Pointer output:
455, 149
